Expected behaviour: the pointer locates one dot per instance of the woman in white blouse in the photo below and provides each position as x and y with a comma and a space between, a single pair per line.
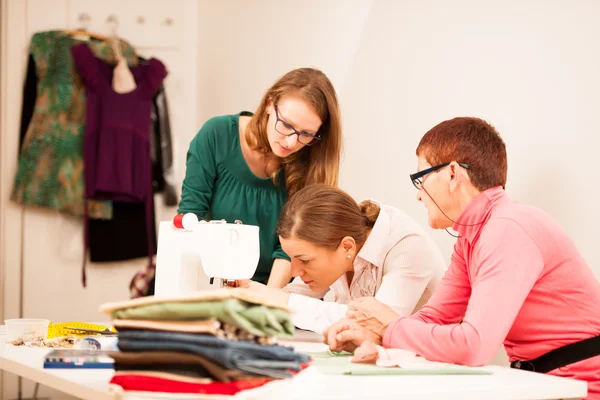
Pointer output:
343, 251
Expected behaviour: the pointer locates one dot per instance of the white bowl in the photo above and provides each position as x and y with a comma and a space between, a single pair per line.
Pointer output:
26, 328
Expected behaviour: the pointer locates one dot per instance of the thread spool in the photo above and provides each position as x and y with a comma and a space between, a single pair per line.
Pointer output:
98, 343
185, 221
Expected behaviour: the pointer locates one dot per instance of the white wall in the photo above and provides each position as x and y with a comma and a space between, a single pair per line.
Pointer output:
528, 67
245, 46
531, 68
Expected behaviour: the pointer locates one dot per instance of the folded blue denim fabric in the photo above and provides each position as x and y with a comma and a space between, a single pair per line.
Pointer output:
273, 361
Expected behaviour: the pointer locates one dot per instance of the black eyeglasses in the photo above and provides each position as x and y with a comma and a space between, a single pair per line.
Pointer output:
417, 178
286, 129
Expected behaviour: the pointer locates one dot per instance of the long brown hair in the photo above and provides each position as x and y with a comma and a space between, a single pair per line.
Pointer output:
324, 215
313, 164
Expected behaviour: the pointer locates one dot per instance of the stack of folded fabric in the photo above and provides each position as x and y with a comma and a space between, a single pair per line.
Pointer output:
216, 342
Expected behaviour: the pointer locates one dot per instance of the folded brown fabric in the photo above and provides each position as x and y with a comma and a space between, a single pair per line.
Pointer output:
191, 370
143, 358
209, 326
164, 375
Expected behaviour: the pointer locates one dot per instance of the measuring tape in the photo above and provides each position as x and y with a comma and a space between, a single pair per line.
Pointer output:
56, 330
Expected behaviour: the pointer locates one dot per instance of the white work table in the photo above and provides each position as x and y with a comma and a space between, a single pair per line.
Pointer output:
310, 384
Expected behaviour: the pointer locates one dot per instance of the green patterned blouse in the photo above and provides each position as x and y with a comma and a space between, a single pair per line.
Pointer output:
50, 170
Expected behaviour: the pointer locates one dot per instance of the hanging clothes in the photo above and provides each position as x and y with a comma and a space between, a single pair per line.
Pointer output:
142, 283
50, 168
162, 150
161, 142
124, 237
128, 224
117, 134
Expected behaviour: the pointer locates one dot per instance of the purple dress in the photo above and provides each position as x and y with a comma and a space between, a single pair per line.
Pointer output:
116, 150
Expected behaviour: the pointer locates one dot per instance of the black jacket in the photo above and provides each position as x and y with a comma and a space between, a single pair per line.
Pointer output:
161, 148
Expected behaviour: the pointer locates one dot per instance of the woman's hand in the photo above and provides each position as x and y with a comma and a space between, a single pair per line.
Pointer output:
371, 314
348, 335
241, 283
275, 295
281, 274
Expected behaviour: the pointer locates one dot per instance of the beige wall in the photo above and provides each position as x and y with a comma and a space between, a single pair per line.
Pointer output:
245, 46
527, 67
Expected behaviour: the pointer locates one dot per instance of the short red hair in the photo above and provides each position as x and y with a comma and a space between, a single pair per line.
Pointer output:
468, 140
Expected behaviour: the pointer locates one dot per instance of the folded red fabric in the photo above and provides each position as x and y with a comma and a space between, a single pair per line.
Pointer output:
147, 383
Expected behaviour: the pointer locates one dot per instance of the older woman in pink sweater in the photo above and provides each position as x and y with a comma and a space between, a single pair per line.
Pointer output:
515, 276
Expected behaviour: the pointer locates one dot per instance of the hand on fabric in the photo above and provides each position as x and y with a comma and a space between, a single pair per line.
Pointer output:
366, 353
371, 314
241, 283
348, 335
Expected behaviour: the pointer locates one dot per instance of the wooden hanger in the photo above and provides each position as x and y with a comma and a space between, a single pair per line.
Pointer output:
115, 42
83, 32
86, 35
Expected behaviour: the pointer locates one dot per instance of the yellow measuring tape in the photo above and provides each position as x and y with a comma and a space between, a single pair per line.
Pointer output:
62, 329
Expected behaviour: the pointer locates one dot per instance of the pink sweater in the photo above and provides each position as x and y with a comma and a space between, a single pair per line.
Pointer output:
518, 279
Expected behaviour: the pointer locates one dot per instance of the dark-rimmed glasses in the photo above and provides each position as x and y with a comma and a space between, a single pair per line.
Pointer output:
417, 178
286, 129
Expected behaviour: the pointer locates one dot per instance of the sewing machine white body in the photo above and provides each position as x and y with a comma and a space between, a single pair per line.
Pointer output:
186, 260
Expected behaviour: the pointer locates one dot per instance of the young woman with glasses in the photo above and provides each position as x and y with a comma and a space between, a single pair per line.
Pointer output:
515, 277
244, 166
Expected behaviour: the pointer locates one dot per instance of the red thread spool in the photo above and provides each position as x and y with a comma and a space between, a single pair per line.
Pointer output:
185, 221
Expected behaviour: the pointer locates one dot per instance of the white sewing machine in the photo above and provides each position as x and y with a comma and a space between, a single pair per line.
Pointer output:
204, 255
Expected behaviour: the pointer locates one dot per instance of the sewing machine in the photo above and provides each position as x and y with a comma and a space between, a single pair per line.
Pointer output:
204, 255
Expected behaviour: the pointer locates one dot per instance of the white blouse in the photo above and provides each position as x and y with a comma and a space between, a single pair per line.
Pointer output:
398, 264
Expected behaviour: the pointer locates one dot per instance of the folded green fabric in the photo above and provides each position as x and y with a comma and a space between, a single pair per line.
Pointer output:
262, 317
284, 318
332, 363
256, 319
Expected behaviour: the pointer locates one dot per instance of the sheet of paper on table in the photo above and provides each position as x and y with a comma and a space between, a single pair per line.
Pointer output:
329, 363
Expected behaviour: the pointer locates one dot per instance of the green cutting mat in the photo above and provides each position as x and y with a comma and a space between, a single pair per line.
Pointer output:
330, 363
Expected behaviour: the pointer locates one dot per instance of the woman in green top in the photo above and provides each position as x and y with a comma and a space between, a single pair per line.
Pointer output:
244, 166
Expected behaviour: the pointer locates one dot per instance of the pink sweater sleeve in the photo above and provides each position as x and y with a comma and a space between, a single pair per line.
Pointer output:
449, 301
505, 265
